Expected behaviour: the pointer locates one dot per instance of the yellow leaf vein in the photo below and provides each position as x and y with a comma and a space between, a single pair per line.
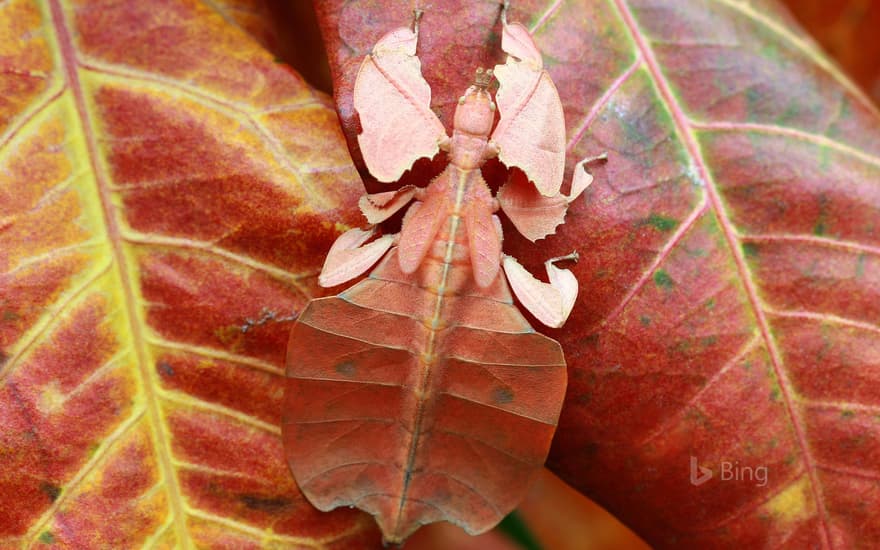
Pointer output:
48, 320
190, 401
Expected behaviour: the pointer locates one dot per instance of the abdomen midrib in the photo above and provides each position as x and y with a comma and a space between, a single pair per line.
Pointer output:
434, 325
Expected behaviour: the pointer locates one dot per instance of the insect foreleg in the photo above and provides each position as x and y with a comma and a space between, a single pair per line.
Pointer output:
378, 207
350, 257
551, 303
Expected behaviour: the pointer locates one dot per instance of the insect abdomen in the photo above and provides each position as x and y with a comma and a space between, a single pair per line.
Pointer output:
364, 426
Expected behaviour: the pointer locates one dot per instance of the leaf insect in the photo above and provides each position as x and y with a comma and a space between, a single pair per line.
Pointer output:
421, 394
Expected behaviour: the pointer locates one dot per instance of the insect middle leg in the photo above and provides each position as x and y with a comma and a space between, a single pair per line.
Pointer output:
551, 303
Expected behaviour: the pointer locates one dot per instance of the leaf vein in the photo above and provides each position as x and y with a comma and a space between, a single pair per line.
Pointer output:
41, 329
810, 137
676, 238
96, 458
220, 410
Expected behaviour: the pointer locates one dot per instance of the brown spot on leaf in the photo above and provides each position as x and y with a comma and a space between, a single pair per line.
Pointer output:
346, 368
268, 504
165, 369
51, 490
502, 395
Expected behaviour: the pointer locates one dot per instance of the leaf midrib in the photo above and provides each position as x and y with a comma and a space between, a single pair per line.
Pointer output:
160, 435
684, 129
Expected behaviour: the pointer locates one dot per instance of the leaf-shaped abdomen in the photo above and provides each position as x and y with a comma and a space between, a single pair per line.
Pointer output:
417, 421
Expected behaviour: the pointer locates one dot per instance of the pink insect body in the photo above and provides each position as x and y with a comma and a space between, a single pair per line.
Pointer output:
422, 394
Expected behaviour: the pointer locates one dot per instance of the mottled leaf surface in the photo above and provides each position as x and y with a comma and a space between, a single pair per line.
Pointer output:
730, 259
167, 193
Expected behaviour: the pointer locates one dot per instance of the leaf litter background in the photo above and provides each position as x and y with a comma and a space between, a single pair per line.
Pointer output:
167, 191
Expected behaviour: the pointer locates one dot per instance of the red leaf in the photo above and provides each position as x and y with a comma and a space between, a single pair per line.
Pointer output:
729, 259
